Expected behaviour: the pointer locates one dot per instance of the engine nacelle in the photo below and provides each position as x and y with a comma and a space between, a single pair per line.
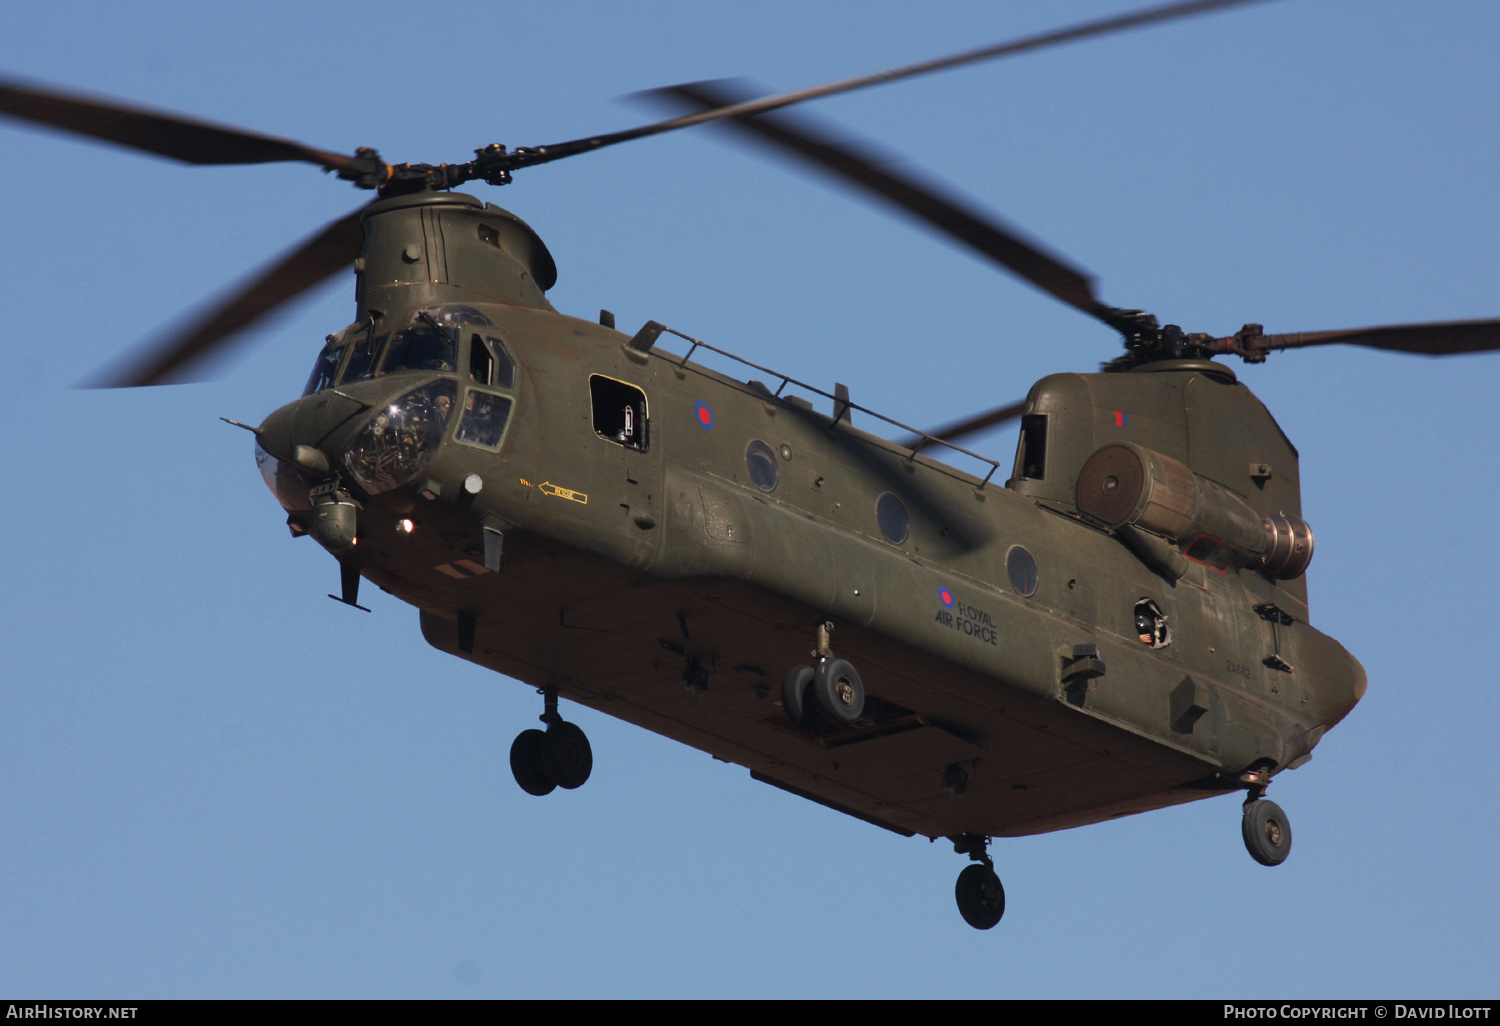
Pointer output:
1128, 484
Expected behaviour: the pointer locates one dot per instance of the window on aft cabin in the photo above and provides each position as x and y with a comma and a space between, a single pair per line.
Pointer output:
619, 412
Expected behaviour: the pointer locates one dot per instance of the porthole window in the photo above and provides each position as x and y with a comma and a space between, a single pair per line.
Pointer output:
1021, 567
891, 514
761, 462
1151, 627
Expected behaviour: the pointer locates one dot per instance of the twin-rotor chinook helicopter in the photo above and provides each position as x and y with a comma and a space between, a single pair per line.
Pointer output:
1120, 626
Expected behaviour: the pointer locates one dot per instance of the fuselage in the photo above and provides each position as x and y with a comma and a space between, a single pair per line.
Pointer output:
661, 541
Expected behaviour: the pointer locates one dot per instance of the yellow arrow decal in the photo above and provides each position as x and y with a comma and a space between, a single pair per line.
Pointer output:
548, 488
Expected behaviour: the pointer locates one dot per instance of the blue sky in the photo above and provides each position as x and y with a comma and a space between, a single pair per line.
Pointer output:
214, 782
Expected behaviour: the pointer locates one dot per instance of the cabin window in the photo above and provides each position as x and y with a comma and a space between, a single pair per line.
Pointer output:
1031, 458
890, 513
765, 473
1020, 566
1151, 627
484, 419
619, 412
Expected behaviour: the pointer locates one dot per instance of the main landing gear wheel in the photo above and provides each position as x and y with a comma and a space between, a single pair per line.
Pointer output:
560, 756
981, 898
839, 692
829, 695
1267, 832
796, 698
566, 754
526, 763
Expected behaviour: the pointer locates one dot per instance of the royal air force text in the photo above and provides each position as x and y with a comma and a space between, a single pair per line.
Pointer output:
970, 620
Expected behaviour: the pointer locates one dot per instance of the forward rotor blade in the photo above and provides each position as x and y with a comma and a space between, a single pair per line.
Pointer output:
873, 173
969, 426
315, 260
166, 135
1441, 339
542, 154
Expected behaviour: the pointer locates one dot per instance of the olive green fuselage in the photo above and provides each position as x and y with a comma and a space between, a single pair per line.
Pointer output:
632, 558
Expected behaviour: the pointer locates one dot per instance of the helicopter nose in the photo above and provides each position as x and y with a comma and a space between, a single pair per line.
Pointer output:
307, 423
297, 448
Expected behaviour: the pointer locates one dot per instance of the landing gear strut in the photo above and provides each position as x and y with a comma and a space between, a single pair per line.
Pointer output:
560, 756
981, 898
1265, 828
829, 694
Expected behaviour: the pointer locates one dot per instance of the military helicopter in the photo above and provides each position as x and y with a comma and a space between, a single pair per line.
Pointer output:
467, 448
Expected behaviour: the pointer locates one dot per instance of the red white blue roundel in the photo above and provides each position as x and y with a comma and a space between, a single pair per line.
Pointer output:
945, 596
704, 415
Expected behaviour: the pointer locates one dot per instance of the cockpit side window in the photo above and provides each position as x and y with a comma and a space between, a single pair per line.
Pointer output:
484, 418
505, 367
489, 363
481, 363
326, 369
619, 412
362, 357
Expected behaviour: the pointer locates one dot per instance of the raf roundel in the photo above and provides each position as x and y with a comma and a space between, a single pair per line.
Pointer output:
945, 597
704, 415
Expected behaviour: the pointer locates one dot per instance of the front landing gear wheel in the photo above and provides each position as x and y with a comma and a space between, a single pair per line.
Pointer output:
526, 763
566, 754
981, 899
1267, 832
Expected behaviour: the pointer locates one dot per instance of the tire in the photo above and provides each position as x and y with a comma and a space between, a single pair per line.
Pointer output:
796, 698
526, 763
1267, 833
981, 899
838, 691
566, 755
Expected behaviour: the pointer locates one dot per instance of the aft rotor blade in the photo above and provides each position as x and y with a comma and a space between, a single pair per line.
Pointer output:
874, 173
1442, 339
542, 154
315, 260
966, 427
166, 135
